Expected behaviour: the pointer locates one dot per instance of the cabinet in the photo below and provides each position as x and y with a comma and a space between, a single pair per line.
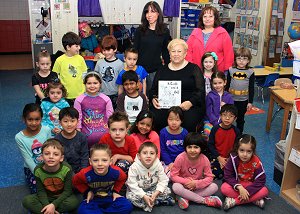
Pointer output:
291, 171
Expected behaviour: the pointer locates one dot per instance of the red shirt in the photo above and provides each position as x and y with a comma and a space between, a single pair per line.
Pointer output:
129, 147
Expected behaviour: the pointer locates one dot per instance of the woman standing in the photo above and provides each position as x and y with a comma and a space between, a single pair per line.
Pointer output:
151, 39
210, 36
192, 87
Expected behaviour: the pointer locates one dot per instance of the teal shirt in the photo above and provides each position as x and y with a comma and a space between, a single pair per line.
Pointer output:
31, 147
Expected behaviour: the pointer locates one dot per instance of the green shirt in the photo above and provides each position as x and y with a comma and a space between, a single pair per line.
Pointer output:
53, 186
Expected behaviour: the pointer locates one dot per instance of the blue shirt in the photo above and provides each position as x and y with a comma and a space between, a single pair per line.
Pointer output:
171, 145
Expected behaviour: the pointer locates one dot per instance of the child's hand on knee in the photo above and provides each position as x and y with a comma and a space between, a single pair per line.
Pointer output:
116, 195
191, 185
222, 161
89, 197
244, 194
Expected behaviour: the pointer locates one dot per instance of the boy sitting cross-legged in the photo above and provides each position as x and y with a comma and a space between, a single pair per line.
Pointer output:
54, 183
101, 184
147, 183
122, 145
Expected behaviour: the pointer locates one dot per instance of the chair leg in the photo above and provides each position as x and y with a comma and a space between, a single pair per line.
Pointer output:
262, 95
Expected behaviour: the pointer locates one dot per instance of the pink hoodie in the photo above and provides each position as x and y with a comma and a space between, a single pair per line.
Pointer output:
218, 42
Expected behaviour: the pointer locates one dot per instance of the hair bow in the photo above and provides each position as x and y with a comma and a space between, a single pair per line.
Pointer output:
214, 55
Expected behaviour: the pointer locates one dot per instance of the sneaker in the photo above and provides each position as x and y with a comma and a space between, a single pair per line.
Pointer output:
260, 203
182, 203
213, 201
169, 201
228, 203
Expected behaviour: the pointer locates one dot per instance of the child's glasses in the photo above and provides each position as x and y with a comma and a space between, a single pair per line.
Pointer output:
242, 58
229, 116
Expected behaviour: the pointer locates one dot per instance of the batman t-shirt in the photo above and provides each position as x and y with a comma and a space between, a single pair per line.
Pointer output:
239, 84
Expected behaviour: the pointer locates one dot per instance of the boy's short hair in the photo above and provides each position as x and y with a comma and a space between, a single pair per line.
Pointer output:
102, 147
176, 110
130, 50
70, 39
55, 144
230, 108
109, 42
118, 116
130, 75
194, 138
148, 144
68, 112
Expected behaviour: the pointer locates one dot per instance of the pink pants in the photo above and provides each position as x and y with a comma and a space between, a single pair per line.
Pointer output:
197, 195
228, 191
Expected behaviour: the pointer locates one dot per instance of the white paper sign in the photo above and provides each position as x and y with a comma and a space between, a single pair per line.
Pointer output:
296, 68
169, 93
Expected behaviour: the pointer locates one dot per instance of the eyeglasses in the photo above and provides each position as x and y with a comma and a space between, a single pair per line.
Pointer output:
230, 116
242, 58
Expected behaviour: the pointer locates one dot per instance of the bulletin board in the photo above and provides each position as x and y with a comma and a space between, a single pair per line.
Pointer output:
124, 11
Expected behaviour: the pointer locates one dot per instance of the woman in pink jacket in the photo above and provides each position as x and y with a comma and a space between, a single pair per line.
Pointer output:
210, 36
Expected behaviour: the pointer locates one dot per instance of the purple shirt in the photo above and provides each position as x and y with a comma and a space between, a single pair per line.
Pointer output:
94, 112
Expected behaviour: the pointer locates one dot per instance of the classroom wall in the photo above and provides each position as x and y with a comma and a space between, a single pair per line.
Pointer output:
15, 28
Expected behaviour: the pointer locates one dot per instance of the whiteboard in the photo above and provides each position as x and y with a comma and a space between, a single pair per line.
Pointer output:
124, 11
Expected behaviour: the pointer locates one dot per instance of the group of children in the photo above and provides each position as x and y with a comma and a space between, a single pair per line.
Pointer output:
101, 173
109, 150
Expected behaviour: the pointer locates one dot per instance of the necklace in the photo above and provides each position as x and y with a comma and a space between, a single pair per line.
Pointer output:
177, 67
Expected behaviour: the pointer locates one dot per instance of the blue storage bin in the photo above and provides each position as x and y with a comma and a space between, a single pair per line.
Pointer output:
183, 14
192, 23
286, 63
191, 14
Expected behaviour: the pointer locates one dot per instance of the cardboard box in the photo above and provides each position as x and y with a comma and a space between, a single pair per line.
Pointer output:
295, 155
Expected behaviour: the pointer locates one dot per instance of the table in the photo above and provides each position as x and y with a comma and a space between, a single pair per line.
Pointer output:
285, 99
265, 72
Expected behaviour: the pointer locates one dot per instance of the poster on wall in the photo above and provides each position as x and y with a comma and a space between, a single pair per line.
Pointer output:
272, 44
238, 7
237, 40
243, 6
280, 8
249, 8
273, 27
255, 45
243, 24
275, 8
255, 7
279, 44
237, 24
249, 30
280, 27
296, 10
256, 26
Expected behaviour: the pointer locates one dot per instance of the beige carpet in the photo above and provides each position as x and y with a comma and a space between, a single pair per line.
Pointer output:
16, 62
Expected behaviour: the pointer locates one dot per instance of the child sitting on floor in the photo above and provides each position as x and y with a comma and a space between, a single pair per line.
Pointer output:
147, 183
191, 175
101, 183
222, 138
244, 175
54, 183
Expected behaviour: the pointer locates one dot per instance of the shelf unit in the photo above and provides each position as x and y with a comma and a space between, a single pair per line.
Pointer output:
291, 171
